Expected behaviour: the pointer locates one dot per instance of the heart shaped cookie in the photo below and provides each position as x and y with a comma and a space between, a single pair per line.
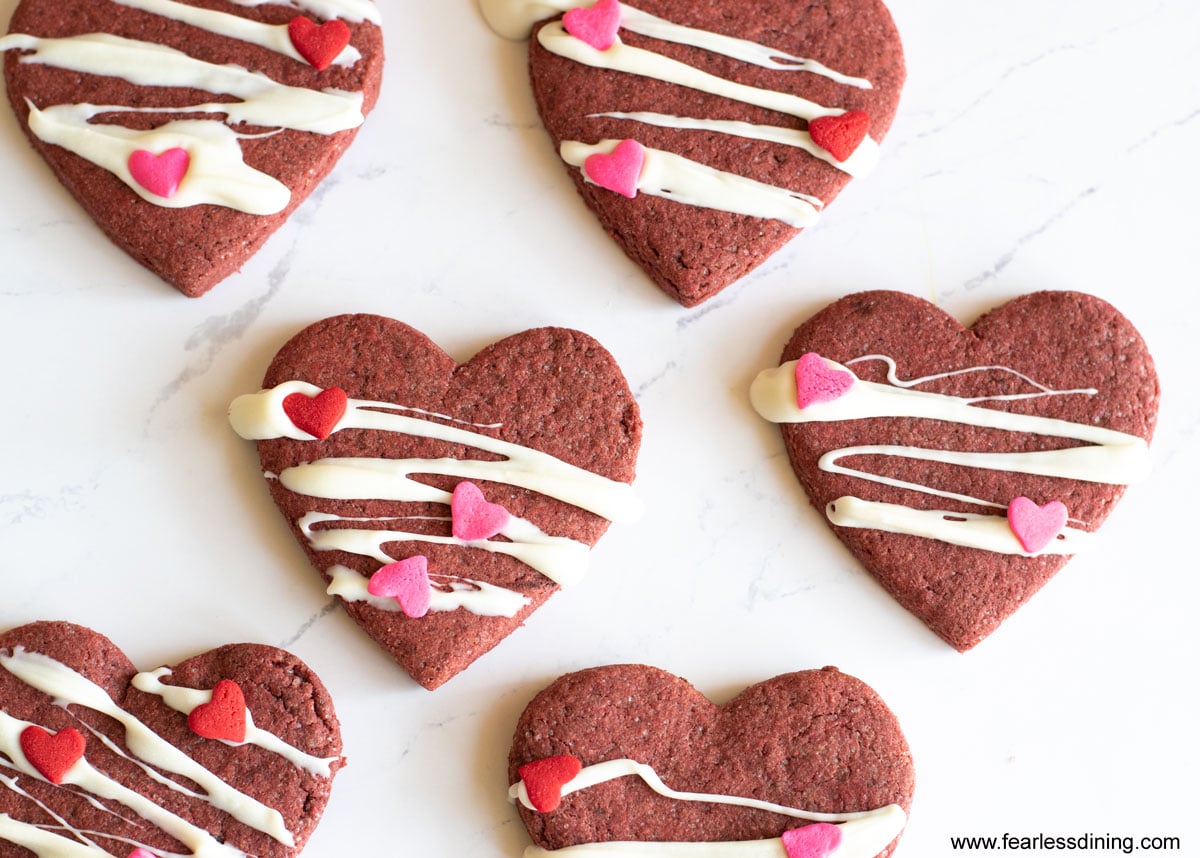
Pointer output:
500, 473
80, 725
748, 118
964, 466
808, 765
191, 131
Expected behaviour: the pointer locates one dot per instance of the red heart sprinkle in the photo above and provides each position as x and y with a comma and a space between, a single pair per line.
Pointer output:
1036, 526
407, 581
319, 45
52, 754
473, 518
224, 717
141, 853
618, 172
840, 135
159, 174
817, 381
544, 780
596, 26
812, 841
317, 415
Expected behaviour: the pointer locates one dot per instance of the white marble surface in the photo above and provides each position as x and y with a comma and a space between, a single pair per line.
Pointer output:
1037, 147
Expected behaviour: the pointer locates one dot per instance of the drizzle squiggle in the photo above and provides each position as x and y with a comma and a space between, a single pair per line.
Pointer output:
62, 683
1107, 457
183, 699
261, 415
863, 833
217, 173
680, 179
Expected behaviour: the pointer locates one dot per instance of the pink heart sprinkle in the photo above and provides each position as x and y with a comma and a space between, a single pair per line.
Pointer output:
159, 174
596, 26
817, 381
406, 581
1036, 526
620, 171
473, 518
812, 841
141, 853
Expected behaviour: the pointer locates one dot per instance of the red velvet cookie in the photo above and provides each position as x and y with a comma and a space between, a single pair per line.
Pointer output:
813, 763
705, 136
964, 466
190, 131
442, 502
94, 752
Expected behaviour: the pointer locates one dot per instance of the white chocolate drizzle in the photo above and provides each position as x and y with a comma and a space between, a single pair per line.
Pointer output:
1105, 455
665, 174
261, 415
271, 36
680, 179
446, 594
515, 19
68, 687
863, 833
644, 63
858, 164
184, 700
217, 173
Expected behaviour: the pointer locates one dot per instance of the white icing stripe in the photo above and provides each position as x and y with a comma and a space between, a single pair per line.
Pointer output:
63, 684
862, 161
514, 19
45, 844
673, 177
271, 36
765, 56
861, 838
685, 181
564, 561
969, 530
186, 699
608, 770
258, 416
354, 11
638, 61
217, 174
478, 597
261, 416
61, 823
263, 101
1108, 457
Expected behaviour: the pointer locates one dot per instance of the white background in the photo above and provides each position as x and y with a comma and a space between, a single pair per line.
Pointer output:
1036, 147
